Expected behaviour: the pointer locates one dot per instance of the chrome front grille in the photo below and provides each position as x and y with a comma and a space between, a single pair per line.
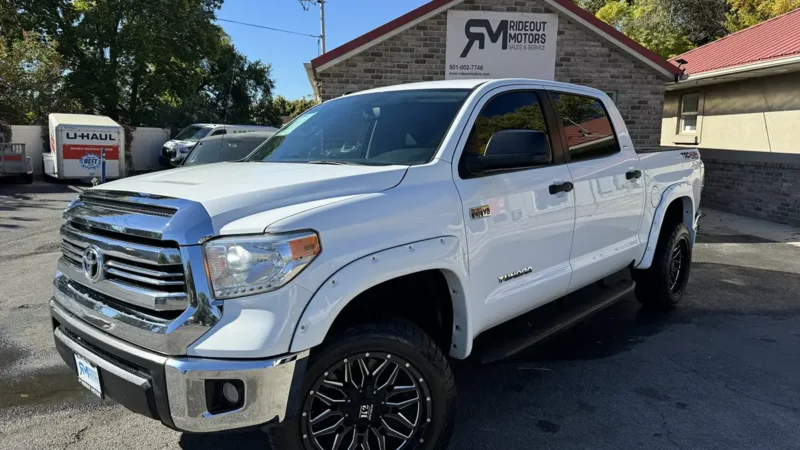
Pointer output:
132, 267
139, 274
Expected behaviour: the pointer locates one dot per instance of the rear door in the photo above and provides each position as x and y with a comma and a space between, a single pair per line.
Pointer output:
81, 148
518, 232
609, 191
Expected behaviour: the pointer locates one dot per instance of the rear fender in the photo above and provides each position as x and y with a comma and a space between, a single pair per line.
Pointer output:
682, 192
442, 253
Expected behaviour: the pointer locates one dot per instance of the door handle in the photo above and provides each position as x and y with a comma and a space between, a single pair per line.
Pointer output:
561, 187
631, 174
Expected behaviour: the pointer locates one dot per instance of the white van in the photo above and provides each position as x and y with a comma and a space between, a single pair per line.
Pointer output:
174, 151
76, 141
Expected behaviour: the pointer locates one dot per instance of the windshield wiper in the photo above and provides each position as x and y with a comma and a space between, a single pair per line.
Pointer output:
334, 163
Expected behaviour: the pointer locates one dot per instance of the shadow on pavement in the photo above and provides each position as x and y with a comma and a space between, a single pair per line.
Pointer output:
547, 390
731, 239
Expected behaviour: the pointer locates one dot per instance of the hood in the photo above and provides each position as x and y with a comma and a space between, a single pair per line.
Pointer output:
181, 143
232, 190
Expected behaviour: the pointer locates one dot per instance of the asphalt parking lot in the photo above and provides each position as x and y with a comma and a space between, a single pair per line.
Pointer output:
719, 372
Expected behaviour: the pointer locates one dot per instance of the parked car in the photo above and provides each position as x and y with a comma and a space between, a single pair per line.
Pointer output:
174, 151
317, 287
225, 148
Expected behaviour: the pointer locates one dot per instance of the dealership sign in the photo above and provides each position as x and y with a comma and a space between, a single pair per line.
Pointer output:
500, 45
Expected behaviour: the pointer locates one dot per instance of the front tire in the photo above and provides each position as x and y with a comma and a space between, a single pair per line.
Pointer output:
664, 283
385, 381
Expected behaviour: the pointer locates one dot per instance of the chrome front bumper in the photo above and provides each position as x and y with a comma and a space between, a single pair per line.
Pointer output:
173, 389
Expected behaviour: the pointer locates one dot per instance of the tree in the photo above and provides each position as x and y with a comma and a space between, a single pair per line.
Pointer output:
648, 22
293, 108
228, 88
146, 62
667, 27
746, 13
31, 81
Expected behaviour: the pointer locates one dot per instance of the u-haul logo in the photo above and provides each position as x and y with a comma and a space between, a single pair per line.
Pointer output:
90, 136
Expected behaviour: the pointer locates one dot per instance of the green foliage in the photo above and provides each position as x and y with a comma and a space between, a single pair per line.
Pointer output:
144, 62
292, 108
31, 81
648, 22
746, 13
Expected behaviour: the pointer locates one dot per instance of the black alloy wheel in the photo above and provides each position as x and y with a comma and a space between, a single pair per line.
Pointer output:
664, 283
677, 265
371, 401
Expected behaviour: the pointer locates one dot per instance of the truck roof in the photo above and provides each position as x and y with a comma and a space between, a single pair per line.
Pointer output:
473, 83
82, 119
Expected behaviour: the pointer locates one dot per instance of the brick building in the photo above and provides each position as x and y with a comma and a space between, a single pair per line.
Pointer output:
738, 102
581, 49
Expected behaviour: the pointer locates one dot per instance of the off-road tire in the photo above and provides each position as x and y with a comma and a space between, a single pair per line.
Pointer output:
653, 286
397, 337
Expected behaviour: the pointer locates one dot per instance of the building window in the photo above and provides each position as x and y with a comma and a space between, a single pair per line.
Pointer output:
690, 107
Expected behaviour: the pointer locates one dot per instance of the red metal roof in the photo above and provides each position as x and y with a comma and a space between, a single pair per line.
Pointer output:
435, 4
776, 38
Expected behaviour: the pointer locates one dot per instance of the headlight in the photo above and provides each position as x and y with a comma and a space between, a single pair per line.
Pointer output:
246, 265
185, 149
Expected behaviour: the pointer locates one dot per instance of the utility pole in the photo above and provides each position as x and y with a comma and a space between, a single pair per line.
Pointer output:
322, 24
321, 3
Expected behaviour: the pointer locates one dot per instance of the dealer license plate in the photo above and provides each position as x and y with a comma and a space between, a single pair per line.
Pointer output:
88, 375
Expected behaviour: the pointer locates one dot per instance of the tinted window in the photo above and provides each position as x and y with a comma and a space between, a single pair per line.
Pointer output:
396, 127
218, 150
204, 153
218, 132
587, 126
192, 133
509, 111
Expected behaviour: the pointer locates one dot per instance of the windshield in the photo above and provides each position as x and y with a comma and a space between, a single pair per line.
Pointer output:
218, 150
384, 128
192, 133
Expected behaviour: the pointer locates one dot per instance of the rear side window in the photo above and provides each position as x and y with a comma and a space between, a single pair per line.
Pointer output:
518, 110
235, 149
587, 126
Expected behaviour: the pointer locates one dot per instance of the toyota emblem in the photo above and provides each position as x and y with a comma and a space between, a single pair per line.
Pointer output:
93, 263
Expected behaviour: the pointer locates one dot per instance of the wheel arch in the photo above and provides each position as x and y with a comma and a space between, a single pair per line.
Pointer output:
402, 267
676, 205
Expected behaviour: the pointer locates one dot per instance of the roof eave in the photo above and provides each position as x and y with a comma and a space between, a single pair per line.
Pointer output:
735, 70
665, 69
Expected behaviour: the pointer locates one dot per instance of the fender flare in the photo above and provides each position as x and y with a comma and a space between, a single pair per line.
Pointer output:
441, 253
684, 191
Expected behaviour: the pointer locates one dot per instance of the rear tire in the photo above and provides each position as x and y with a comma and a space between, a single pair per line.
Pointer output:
27, 178
664, 283
410, 357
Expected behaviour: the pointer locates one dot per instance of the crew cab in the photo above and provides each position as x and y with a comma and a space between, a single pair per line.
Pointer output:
317, 287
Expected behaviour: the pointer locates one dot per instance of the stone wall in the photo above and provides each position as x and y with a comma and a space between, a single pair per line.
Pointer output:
418, 54
766, 187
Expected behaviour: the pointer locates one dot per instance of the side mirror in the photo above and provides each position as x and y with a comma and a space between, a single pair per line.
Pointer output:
511, 149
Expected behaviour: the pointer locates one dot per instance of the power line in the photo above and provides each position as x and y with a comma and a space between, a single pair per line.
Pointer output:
269, 28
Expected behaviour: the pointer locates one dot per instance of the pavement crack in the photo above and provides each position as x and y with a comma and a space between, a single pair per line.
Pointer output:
76, 437
668, 432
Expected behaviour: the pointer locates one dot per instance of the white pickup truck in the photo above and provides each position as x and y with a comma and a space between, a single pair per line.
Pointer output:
317, 287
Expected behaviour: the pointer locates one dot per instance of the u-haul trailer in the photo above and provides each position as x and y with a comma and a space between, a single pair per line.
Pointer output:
76, 143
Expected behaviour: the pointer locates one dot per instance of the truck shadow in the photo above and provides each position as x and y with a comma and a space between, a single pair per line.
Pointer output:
587, 377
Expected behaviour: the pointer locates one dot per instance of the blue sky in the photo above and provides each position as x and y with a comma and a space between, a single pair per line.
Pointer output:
344, 20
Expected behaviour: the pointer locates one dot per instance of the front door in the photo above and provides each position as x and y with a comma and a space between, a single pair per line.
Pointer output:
518, 233
609, 191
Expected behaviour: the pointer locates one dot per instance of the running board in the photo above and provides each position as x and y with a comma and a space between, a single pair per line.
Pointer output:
531, 328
